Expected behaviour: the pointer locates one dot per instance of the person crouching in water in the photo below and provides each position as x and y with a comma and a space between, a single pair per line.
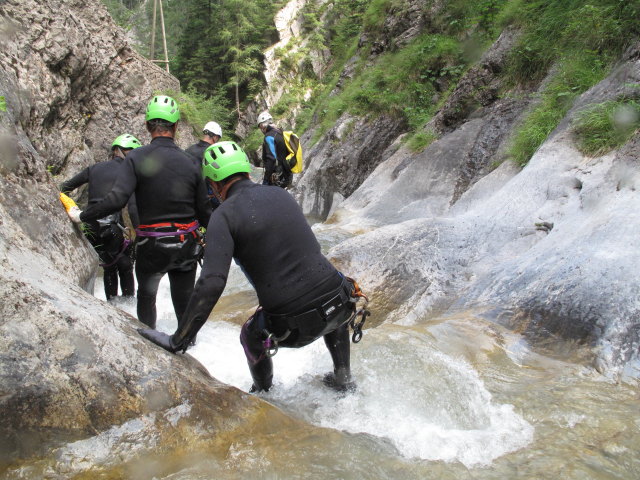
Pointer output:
302, 295
106, 234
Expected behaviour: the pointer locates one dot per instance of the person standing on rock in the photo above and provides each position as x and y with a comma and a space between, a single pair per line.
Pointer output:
172, 203
212, 134
274, 152
106, 234
302, 295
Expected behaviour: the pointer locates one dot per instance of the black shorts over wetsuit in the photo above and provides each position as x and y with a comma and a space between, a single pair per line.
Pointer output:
169, 189
105, 235
263, 229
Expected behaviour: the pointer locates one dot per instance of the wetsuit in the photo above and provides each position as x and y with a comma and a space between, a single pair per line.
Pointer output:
170, 195
264, 230
105, 234
197, 152
274, 152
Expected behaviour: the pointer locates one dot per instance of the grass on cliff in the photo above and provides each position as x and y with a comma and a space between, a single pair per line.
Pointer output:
570, 43
408, 83
197, 110
605, 126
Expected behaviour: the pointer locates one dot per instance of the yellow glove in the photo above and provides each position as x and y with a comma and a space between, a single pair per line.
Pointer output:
67, 201
72, 209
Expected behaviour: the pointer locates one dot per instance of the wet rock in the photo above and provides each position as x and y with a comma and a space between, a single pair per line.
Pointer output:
73, 368
346, 155
550, 248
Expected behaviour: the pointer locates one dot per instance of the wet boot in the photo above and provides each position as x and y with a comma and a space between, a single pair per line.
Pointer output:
262, 374
339, 347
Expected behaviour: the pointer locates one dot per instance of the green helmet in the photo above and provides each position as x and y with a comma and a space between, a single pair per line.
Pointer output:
126, 141
163, 107
223, 159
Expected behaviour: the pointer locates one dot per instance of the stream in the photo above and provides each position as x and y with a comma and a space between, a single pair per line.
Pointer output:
452, 397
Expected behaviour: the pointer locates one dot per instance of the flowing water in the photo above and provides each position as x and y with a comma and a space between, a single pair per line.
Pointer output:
453, 397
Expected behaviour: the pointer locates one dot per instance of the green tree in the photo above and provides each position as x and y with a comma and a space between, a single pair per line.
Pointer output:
221, 45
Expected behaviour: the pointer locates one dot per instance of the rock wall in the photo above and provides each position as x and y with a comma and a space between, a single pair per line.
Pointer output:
548, 250
73, 368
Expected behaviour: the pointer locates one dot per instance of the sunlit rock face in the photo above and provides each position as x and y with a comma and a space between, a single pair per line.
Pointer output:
549, 250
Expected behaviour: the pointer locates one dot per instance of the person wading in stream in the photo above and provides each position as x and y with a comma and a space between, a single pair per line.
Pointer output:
302, 296
172, 203
106, 234
274, 151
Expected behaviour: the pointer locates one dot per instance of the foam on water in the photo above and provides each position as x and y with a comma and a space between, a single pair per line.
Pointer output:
428, 404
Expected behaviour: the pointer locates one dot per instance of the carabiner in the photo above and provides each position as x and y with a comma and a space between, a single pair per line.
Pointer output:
270, 345
357, 327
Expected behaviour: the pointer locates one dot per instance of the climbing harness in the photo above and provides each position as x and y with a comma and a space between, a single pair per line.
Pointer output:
126, 241
362, 312
356, 321
182, 230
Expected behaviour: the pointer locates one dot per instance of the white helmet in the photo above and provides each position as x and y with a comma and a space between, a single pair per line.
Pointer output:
264, 117
213, 128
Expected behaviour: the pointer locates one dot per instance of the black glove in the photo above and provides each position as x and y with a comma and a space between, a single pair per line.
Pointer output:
159, 338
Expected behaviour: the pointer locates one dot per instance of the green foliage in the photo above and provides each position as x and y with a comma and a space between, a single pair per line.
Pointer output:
222, 44
580, 40
376, 13
554, 28
253, 141
477, 19
421, 140
344, 24
197, 110
574, 76
3, 104
401, 83
605, 126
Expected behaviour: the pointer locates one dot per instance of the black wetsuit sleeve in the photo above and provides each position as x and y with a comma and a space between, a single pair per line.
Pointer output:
203, 206
75, 182
117, 198
213, 277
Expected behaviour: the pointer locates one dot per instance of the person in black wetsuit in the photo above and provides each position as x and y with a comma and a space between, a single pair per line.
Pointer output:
172, 203
212, 133
274, 152
302, 296
105, 234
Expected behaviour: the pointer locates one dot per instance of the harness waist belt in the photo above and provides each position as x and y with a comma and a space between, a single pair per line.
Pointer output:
182, 228
336, 301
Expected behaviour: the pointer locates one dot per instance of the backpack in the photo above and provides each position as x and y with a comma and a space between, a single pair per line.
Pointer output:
293, 161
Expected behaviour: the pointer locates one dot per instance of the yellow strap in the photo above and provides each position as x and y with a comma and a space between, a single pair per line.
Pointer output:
67, 202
